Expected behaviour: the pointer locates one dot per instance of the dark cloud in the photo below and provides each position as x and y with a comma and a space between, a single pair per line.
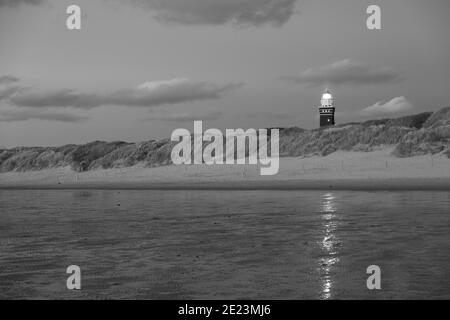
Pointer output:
345, 72
149, 94
23, 115
8, 79
6, 92
8, 86
14, 3
217, 12
60, 98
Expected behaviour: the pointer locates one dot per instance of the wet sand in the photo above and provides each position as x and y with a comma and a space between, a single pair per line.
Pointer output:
224, 244
348, 184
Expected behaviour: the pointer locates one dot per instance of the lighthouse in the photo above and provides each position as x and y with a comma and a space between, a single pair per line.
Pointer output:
326, 110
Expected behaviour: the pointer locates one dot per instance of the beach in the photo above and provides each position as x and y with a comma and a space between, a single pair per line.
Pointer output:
377, 170
225, 232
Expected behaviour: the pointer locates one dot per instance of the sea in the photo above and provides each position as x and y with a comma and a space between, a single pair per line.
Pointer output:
192, 244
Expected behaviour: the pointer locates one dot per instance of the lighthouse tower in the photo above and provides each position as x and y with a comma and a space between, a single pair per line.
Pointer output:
326, 110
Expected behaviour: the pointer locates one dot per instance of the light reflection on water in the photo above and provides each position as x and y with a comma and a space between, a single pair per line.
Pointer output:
329, 243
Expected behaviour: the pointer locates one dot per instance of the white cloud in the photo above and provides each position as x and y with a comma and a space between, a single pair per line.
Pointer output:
396, 105
155, 85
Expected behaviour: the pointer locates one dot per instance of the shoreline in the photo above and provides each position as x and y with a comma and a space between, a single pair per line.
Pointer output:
370, 171
399, 184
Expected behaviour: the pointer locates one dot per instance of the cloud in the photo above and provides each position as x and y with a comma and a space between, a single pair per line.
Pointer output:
218, 12
8, 86
396, 105
8, 79
148, 94
23, 115
264, 115
15, 3
60, 98
185, 116
345, 72
7, 92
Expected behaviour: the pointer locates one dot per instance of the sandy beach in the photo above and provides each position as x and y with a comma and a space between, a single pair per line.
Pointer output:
340, 170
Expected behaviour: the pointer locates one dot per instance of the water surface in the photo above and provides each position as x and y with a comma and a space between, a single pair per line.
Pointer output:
224, 244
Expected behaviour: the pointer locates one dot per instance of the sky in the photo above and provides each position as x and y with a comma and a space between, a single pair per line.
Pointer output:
139, 69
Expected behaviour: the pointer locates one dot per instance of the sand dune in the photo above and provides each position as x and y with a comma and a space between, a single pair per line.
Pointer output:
421, 134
